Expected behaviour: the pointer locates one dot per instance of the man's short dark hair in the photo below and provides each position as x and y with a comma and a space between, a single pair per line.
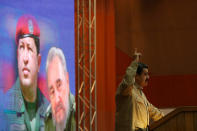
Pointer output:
140, 68
37, 42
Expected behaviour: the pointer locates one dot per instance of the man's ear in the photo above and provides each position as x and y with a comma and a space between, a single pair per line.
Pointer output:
137, 77
17, 52
67, 80
39, 61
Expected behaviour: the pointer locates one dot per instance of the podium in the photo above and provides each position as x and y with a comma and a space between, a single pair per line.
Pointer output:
181, 119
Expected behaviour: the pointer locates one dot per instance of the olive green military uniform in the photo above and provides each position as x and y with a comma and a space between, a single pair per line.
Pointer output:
16, 113
71, 122
134, 110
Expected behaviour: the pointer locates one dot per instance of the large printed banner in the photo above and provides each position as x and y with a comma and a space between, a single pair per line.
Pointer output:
37, 88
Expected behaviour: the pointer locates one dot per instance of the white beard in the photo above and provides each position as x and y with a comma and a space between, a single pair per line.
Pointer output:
61, 126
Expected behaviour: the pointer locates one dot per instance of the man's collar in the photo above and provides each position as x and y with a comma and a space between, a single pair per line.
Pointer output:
41, 101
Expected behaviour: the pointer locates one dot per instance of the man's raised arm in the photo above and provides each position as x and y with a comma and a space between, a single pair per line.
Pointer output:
126, 85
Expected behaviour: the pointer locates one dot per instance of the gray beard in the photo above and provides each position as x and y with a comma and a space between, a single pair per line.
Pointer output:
61, 126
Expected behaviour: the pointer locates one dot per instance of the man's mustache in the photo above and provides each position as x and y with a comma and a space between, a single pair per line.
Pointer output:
58, 107
147, 80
